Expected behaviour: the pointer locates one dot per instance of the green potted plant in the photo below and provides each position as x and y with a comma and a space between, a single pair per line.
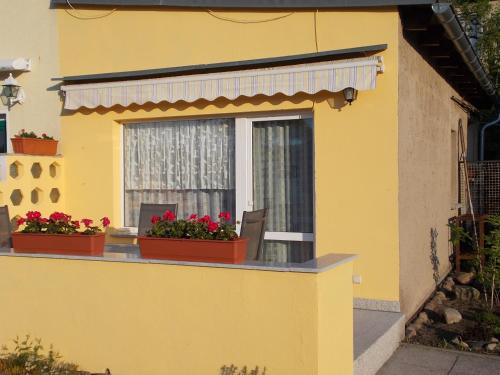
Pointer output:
193, 239
58, 234
30, 143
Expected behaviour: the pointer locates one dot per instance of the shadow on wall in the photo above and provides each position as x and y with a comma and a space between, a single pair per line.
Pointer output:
434, 257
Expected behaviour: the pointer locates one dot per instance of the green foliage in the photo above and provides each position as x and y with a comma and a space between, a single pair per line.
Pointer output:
233, 370
490, 272
458, 234
28, 358
25, 134
488, 17
193, 228
58, 223
490, 321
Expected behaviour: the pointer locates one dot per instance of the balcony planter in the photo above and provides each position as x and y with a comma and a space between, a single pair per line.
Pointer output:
212, 251
64, 244
34, 146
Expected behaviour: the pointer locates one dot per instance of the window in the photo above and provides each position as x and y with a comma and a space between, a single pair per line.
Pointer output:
212, 165
3, 133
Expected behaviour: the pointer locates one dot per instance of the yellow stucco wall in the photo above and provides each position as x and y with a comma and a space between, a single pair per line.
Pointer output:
152, 319
356, 169
30, 31
28, 173
427, 118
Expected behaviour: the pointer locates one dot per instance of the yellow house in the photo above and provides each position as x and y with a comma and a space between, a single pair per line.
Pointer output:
338, 119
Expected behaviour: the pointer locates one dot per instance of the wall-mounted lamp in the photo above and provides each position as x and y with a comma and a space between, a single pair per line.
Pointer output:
12, 91
350, 94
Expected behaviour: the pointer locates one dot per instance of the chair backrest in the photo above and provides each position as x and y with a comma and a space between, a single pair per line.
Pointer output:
253, 228
5, 228
148, 210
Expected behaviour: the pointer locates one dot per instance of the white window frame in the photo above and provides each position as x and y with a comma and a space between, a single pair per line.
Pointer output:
9, 144
243, 169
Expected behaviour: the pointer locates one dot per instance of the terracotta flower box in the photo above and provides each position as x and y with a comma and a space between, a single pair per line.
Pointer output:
64, 244
34, 146
212, 251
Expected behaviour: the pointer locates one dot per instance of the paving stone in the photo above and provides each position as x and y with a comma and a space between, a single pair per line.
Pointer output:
476, 365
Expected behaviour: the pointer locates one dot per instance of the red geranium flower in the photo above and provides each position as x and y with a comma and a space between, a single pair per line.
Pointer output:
204, 219
193, 217
76, 223
105, 222
212, 227
169, 215
33, 215
20, 221
225, 215
87, 222
155, 219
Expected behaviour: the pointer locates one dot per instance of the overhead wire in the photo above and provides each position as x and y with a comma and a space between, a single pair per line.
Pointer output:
234, 20
81, 17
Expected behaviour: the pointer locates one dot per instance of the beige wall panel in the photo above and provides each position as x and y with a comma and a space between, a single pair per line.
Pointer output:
29, 30
427, 118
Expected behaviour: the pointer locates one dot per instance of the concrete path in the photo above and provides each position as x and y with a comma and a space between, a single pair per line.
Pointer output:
423, 360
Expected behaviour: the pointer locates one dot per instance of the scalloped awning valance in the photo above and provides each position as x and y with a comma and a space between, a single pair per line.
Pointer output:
332, 76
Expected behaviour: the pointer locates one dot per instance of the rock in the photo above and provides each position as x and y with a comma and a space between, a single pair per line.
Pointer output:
441, 296
467, 293
423, 318
478, 345
448, 284
461, 344
464, 278
495, 340
491, 346
451, 316
411, 332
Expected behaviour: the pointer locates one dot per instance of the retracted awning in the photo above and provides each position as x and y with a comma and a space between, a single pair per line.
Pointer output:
331, 76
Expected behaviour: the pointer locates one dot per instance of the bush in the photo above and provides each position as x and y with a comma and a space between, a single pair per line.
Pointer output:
27, 358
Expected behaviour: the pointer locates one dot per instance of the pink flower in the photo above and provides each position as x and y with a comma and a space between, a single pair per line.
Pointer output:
20, 221
33, 215
105, 222
193, 217
87, 222
43, 220
212, 227
155, 219
225, 215
76, 224
169, 215
204, 219
59, 216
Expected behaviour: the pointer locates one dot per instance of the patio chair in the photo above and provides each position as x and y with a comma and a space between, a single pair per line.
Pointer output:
148, 210
253, 228
5, 228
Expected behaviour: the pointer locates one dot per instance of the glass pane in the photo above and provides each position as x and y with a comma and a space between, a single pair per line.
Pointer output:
283, 173
288, 251
3, 134
189, 162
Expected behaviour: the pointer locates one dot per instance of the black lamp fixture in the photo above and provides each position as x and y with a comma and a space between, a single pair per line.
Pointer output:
11, 90
350, 94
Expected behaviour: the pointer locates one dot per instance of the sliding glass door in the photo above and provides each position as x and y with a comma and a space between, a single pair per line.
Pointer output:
225, 164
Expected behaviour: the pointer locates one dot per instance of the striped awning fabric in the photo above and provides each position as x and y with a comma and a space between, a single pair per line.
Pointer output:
331, 76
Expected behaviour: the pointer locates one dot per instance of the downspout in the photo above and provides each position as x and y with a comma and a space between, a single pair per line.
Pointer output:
446, 16
483, 130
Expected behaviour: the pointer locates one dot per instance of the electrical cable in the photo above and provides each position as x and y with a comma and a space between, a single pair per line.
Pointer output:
85, 17
228, 19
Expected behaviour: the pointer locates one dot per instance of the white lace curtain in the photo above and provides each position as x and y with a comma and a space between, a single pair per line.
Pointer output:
283, 183
188, 162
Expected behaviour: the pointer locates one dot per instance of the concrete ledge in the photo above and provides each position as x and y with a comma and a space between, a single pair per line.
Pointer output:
377, 305
377, 335
131, 254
